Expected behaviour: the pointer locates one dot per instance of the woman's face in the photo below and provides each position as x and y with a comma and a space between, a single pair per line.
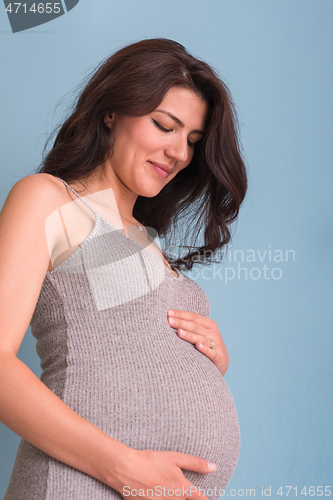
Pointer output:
150, 150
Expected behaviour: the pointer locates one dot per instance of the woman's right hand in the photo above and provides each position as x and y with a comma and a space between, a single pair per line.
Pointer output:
157, 471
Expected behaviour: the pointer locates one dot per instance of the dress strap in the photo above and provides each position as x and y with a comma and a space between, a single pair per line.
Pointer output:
83, 201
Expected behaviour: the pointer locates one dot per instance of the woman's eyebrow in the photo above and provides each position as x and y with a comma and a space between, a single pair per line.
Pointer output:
177, 120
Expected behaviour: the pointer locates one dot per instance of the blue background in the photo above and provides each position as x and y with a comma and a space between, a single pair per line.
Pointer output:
276, 57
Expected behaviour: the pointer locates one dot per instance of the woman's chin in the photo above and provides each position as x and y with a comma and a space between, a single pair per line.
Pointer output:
150, 190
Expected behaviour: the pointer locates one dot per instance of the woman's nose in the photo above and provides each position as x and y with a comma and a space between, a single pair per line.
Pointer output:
178, 149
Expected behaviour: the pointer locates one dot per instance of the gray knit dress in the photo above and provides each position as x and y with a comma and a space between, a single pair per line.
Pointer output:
108, 351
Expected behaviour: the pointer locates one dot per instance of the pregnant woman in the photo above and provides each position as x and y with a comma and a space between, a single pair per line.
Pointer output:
132, 399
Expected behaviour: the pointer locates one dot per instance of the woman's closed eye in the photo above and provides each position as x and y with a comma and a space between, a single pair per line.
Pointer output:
169, 130
161, 128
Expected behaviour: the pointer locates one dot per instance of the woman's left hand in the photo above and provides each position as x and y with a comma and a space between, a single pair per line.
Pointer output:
199, 330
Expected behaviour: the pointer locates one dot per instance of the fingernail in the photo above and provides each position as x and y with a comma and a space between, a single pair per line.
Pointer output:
211, 466
200, 345
171, 321
181, 332
170, 312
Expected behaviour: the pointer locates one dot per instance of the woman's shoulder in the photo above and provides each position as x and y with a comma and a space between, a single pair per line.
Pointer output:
31, 200
41, 183
40, 190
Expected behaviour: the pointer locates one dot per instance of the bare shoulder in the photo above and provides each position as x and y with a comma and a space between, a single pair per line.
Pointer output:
24, 251
41, 186
28, 205
37, 194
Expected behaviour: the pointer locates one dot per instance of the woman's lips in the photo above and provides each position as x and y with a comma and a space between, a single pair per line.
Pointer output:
162, 173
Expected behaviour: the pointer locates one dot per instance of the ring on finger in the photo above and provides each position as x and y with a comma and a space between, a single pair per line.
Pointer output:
212, 346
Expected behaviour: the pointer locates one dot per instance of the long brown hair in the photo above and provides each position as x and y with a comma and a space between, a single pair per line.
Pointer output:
207, 194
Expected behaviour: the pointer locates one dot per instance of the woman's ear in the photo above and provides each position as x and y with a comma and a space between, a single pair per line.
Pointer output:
109, 120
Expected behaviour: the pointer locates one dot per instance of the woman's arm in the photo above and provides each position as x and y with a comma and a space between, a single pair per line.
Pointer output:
35, 413
28, 407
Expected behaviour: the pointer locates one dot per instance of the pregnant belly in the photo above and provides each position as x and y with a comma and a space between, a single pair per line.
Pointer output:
160, 395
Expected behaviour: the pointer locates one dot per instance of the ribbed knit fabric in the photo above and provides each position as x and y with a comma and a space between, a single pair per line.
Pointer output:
108, 351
